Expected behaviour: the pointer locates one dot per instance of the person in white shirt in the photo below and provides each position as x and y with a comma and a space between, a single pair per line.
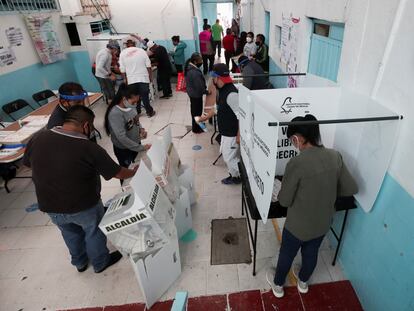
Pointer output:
135, 67
250, 47
103, 72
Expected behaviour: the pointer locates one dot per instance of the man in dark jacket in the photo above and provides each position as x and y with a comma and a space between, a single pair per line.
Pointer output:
249, 68
164, 67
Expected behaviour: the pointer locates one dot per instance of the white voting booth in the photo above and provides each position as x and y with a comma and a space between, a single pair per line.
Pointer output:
146, 223
360, 128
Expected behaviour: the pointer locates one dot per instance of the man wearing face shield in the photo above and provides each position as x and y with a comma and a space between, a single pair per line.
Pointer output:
228, 123
66, 169
70, 94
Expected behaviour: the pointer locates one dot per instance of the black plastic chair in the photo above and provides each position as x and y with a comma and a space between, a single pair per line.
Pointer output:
15, 106
41, 97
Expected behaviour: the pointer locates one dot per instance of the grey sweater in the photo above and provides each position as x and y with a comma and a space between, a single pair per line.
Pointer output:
124, 128
195, 82
312, 182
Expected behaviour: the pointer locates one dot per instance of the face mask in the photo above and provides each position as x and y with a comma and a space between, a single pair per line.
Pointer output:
199, 65
128, 105
248, 39
257, 43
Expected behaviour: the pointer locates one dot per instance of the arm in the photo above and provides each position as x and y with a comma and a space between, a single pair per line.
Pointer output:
290, 184
100, 63
118, 129
125, 173
262, 55
148, 64
124, 77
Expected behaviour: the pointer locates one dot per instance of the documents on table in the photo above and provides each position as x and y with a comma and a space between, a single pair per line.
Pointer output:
31, 125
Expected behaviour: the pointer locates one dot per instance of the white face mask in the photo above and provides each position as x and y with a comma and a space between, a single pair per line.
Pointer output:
128, 105
248, 39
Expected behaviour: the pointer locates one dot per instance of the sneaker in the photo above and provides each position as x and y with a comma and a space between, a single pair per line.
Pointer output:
113, 259
276, 289
303, 287
151, 114
231, 180
83, 269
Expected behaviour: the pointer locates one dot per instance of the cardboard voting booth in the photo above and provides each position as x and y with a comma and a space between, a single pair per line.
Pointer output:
360, 128
141, 223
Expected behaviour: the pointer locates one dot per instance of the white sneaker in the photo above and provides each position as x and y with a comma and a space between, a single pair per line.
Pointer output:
276, 289
303, 287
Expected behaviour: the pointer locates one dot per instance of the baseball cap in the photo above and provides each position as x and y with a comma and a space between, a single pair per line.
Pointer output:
150, 44
222, 72
243, 60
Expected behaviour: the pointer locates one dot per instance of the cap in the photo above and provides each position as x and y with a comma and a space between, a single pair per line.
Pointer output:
243, 60
130, 39
222, 72
150, 44
112, 44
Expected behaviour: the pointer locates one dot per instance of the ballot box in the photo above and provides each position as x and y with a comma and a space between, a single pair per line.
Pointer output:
140, 222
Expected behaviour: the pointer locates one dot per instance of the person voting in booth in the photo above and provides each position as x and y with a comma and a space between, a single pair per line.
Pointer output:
228, 123
123, 126
66, 169
311, 183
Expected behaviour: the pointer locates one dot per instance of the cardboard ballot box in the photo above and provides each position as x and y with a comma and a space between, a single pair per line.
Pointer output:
140, 222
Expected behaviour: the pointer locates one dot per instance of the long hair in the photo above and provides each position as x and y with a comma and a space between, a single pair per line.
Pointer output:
192, 59
123, 91
310, 132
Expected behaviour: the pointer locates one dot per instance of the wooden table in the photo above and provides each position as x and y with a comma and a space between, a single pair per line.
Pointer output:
46, 109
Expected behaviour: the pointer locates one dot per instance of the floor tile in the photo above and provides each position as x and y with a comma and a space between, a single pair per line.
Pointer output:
290, 302
128, 307
208, 303
162, 306
35, 218
331, 296
222, 279
246, 279
246, 301
10, 218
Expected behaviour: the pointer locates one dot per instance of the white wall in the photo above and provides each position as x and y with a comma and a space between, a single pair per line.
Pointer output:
368, 26
26, 54
158, 20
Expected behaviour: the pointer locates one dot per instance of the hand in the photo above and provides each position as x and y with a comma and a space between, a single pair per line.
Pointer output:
112, 77
147, 146
238, 140
143, 134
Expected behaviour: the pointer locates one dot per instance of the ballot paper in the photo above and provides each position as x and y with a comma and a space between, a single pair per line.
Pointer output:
19, 137
277, 185
36, 121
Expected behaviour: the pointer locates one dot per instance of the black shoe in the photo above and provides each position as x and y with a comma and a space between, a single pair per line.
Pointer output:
231, 180
82, 269
113, 259
165, 96
151, 114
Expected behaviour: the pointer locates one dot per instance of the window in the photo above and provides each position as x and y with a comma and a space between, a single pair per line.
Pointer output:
100, 27
28, 5
278, 36
321, 29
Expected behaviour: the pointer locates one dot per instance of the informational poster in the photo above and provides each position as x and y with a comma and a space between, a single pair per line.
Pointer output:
7, 56
15, 36
45, 38
289, 46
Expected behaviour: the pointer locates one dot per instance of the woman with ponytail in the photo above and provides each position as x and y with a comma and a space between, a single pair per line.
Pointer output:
196, 87
311, 184
122, 124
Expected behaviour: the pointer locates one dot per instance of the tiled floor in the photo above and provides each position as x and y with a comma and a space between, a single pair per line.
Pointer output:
35, 271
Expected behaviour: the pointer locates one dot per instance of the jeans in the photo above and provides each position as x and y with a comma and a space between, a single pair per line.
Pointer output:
208, 63
165, 83
217, 44
196, 110
142, 89
288, 250
83, 237
228, 55
107, 87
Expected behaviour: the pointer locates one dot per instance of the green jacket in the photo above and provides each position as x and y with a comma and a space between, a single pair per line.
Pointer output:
178, 55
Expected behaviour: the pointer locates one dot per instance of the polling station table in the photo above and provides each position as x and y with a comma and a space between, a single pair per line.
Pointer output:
277, 211
45, 110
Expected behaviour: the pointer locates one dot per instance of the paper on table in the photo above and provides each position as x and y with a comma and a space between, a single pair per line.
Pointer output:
20, 136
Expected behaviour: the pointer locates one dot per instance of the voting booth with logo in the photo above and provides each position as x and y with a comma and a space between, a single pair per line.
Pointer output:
362, 129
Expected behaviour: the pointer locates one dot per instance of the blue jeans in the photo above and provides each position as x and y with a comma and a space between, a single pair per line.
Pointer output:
288, 250
83, 237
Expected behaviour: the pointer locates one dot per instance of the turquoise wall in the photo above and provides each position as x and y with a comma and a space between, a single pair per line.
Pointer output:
377, 253
190, 49
26, 81
278, 82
